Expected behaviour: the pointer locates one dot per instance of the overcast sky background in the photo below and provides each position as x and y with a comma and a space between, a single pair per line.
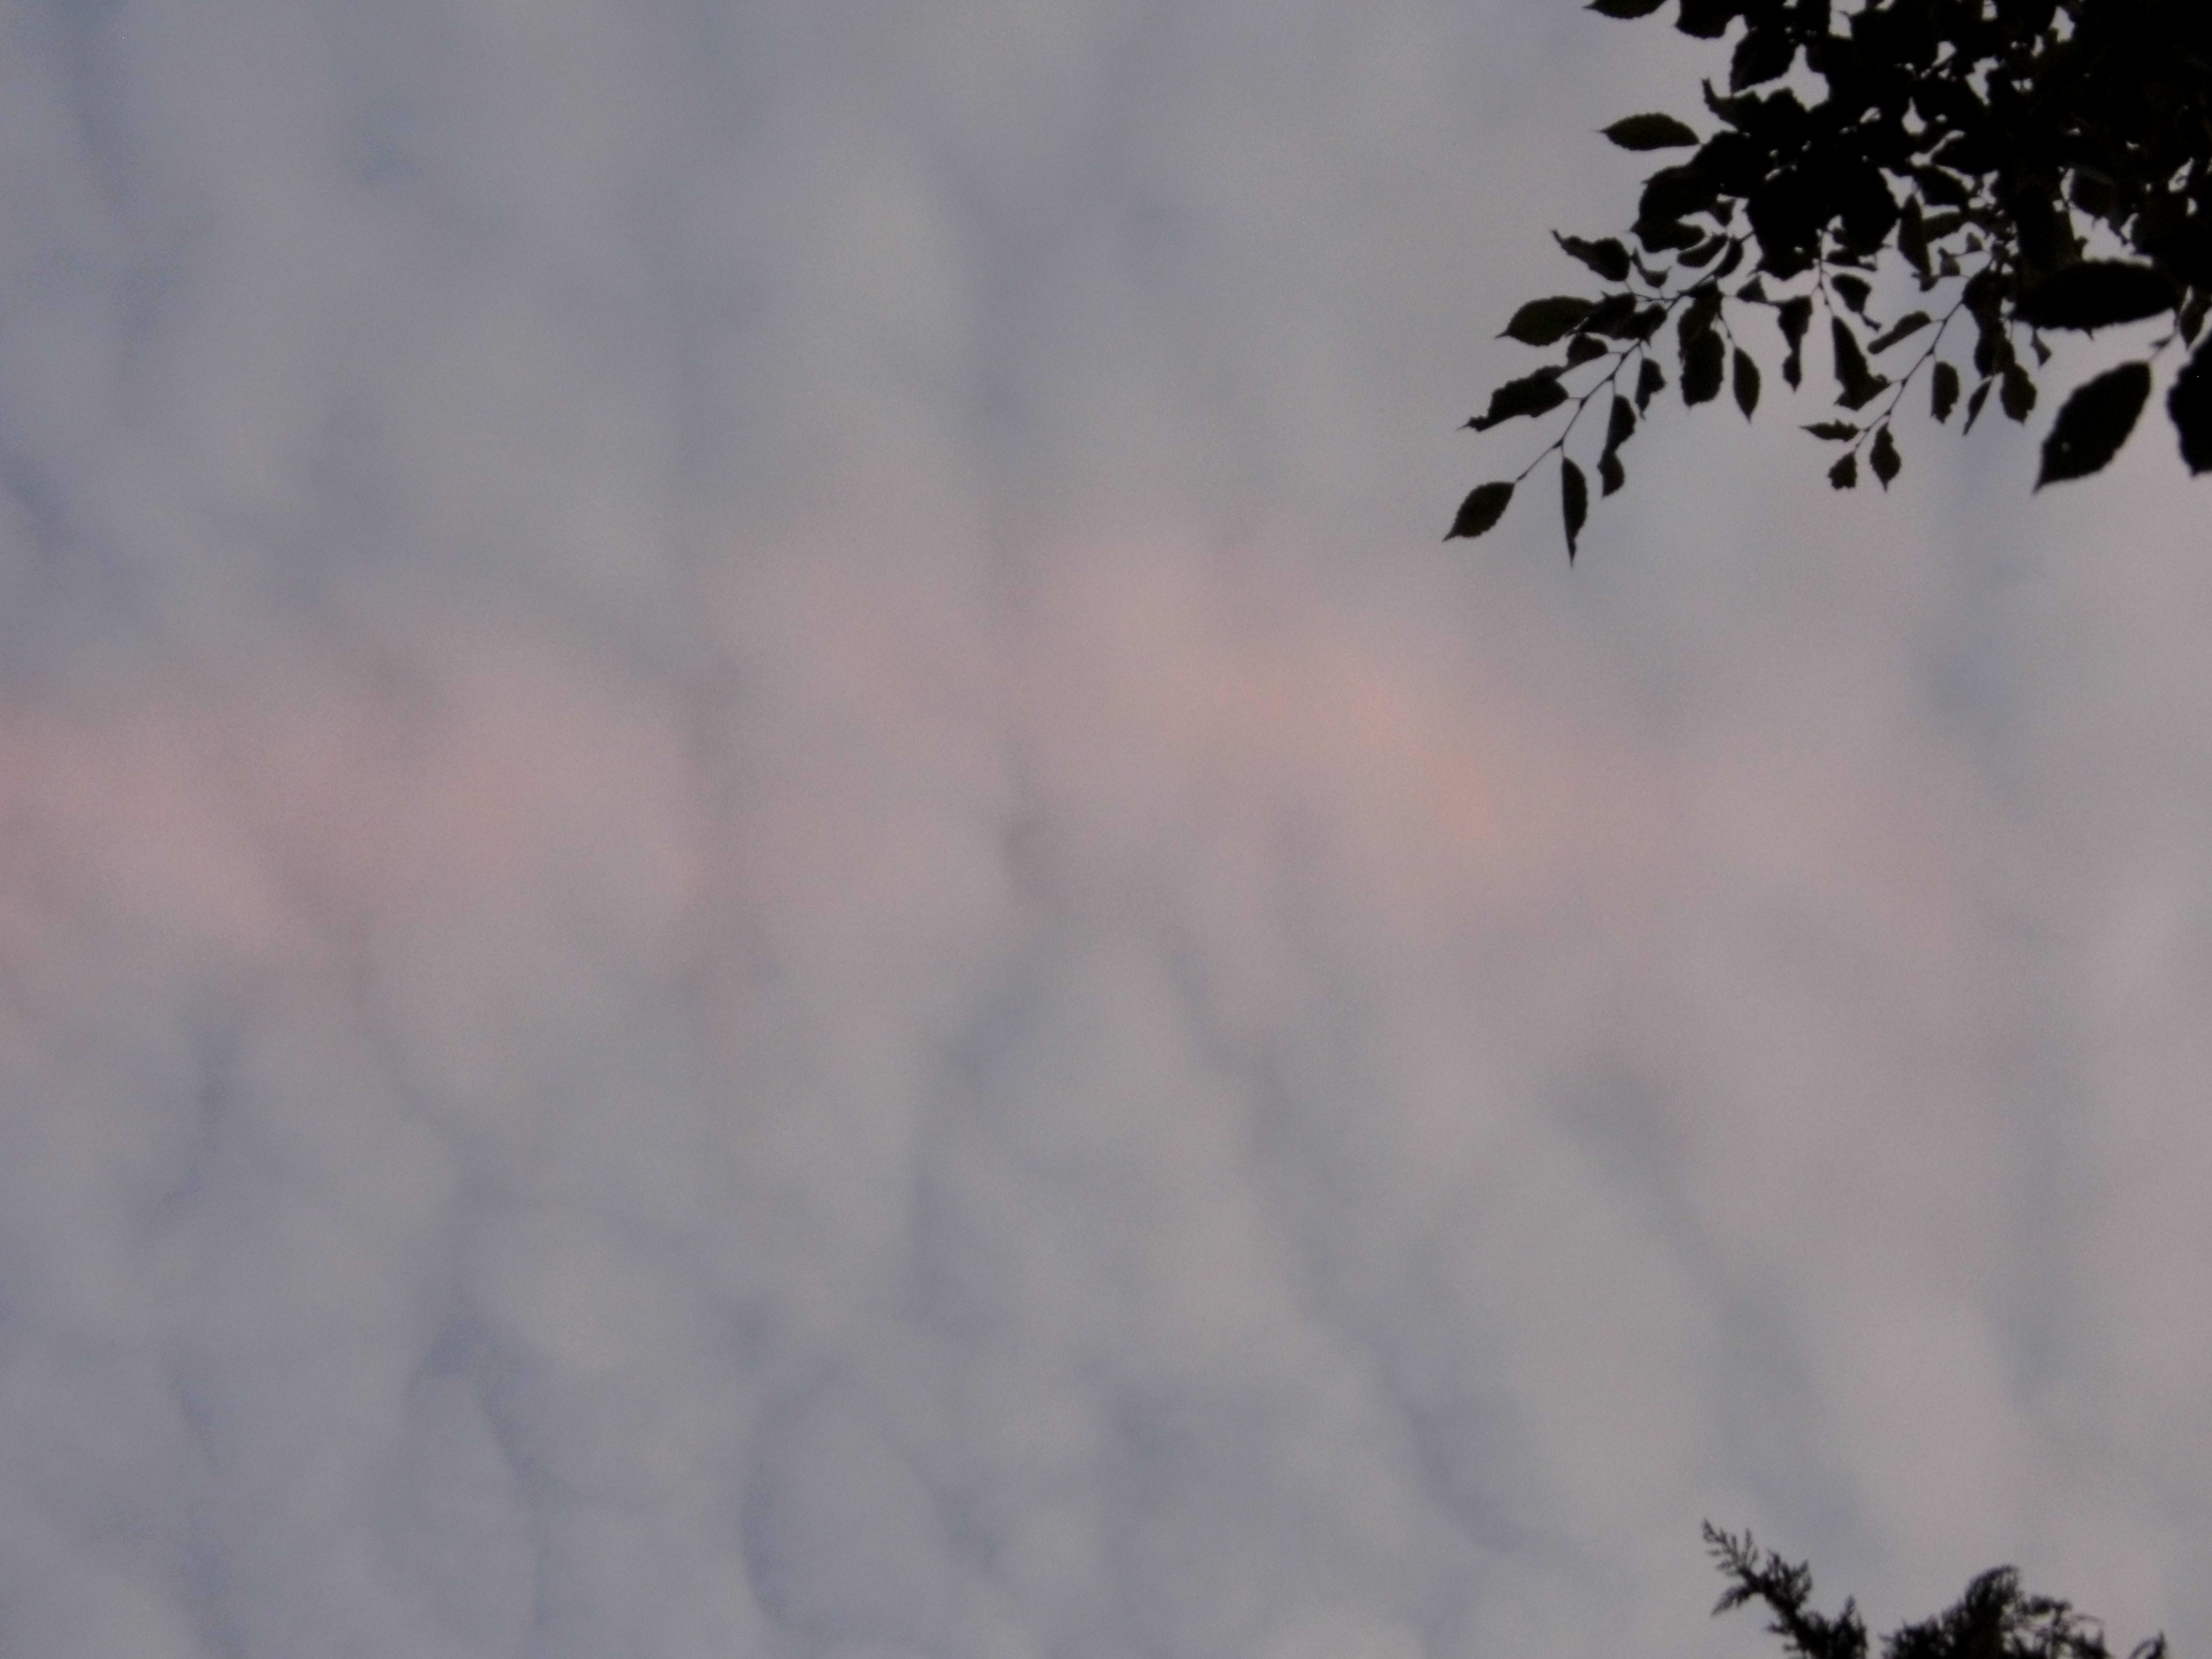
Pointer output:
762, 893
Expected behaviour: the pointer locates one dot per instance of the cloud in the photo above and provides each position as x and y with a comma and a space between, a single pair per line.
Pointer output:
760, 893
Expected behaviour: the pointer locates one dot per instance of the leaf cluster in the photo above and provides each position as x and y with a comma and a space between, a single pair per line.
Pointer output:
1994, 1618
1942, 183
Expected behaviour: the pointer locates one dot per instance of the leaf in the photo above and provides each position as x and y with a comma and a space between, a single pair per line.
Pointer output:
1944, 189
1763, 55
1702, 362
1886, 464
1856, 291
1650, 381
2093, 424
1610, 473
1574, 503
1860, 384
1747, 383
1707, 20
1699, 315
1625, 7
1532, 394
1652, 131
1943, 394
2097, 294
1615, 315
2016, 393
2192, 314
1543, 322
1844, 474
1658, 235
2190, 404
1833, 432
1795, 316
1913, 237
1676, 193
1620, 425
1903, 328
1481, 510
1609, 258
1582, 348
1974, 405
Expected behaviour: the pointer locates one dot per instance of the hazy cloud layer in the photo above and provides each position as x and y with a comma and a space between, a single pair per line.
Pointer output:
762, 895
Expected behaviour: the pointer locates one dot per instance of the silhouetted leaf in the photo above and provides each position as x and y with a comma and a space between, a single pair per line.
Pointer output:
1747, 383
2093, 424
1795, 316
1912, 238
2098, 294
2190, 404
1615, 315
1844, 474
1661, 235
1860, 384
1903, 328
2192, 313
1763, 55
1544, 322
1943, 392
1610, 475
1676, 193
1584, 348
1481, 510
2017, 391
1652, 131
1650, 381
1833, 432
1620, 425
1981, 395
1885, 457
1625, 7
1702, 359
1607, 257
1856, 291
1532, 394
1708, 19
1574, 503
1944, 189
1699, 315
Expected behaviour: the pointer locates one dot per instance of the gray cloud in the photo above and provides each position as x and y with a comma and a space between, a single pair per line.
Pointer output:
762, 894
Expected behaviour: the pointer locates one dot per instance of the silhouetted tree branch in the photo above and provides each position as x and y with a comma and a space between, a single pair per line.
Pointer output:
1993, 1620
1979, 172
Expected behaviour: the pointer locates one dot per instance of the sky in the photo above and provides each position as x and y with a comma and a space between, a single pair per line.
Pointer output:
763, 891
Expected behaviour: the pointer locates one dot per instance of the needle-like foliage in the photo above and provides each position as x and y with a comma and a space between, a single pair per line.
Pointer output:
1995, 1619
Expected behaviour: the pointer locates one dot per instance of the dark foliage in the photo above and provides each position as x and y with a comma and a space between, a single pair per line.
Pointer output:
1993, 1620
1983, 172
